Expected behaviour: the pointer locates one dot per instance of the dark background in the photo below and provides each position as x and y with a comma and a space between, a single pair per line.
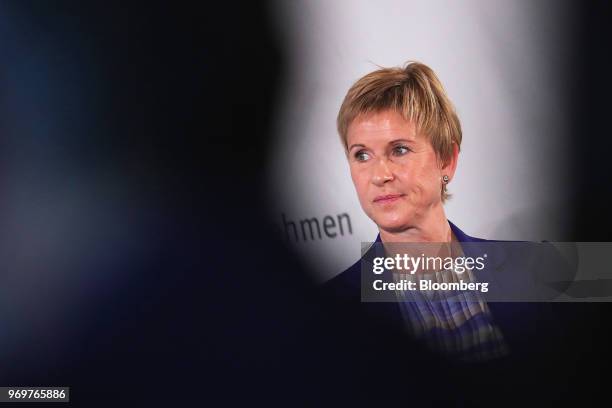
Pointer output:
138, 264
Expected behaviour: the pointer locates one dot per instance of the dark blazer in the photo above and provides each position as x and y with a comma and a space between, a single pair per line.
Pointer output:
533, 332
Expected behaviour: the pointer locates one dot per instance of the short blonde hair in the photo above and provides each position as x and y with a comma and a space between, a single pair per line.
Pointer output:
416, 93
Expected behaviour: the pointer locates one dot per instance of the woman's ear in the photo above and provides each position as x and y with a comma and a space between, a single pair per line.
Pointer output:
451, 165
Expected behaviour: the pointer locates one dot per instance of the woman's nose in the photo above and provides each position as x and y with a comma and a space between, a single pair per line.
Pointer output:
381, 173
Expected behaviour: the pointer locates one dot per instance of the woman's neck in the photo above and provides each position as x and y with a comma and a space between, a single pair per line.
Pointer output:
432, 227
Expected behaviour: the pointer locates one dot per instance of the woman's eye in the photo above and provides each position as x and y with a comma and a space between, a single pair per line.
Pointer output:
362, 156
400, 150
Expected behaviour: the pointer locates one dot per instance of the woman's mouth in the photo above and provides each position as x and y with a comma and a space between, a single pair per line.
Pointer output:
389, 198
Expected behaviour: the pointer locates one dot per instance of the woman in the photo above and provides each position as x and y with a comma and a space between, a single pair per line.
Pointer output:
402, 139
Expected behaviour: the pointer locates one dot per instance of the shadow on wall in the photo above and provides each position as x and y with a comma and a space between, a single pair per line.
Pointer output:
528, 224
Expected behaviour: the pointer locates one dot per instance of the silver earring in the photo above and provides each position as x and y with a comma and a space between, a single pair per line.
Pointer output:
445, 179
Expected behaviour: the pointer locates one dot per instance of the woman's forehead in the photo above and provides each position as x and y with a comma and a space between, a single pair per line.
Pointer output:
380, 127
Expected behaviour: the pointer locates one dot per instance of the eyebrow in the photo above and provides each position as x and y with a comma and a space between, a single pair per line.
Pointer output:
356, 145
391, 142
402, 140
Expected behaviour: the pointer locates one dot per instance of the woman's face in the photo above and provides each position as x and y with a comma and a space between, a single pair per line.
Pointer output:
394, 170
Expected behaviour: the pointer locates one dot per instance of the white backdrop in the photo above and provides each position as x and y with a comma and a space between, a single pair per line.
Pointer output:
502, 65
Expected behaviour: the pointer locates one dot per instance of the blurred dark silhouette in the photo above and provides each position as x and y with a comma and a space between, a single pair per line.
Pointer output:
138, 264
